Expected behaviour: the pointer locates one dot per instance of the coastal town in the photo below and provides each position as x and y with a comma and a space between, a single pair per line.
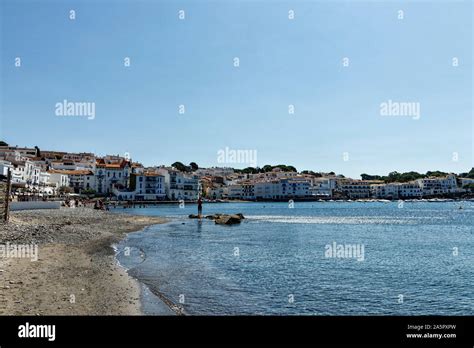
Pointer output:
40, 174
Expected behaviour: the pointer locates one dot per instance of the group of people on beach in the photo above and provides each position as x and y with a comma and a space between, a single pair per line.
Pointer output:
74, 203
99, 205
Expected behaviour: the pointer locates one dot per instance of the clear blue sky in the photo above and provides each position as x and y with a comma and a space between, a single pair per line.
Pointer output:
282, 62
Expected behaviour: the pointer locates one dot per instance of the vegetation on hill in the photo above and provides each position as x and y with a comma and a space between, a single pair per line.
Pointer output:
184, 168
265, 169
469, 175
403, 177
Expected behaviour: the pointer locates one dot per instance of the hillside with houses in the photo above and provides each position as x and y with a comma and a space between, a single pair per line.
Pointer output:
49, 174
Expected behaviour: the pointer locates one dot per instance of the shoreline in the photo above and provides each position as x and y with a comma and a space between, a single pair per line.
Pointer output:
133, 204
76, 272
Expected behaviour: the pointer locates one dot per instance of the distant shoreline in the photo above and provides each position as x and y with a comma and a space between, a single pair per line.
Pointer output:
323, 200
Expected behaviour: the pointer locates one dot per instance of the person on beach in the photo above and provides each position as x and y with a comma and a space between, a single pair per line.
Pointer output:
199, 206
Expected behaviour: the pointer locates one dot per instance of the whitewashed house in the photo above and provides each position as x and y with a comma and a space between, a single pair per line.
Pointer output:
322, 186
438, 186
59, 179
179, 185
109, 175
409, 190
5, 166
79, 180
143, 186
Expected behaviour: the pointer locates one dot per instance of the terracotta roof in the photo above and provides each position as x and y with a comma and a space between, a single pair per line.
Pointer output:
71, 172
152, 174
101, 164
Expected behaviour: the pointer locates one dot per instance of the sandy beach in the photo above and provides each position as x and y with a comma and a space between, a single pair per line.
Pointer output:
76, 272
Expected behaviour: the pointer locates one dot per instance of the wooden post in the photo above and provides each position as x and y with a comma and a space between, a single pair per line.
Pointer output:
7, 196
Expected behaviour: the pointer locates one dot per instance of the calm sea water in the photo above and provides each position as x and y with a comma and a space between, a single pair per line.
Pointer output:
418, 259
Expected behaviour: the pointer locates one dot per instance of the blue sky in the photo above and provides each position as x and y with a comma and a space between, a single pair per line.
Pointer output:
282, 62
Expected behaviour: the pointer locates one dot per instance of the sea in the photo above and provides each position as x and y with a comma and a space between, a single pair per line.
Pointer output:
306, 258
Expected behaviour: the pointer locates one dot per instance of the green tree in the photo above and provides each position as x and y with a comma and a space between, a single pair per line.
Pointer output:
180, 166
38, 151
468, 175
267, 168
371, 177
436, 173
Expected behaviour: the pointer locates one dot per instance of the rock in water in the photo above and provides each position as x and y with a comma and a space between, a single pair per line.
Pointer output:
228, 219
222, 219
213, 217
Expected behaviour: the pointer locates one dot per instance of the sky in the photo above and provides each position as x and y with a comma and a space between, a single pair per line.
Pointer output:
336, 126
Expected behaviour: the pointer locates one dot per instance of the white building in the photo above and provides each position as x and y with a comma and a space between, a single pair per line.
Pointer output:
409, 190
438, 186
322, 186
267, 189
356, 189
179, 185
59, 179
26, 172
215, 192
111, 174
5, 166
233, 191
79, 180
385, 191
214, 171
295, 188
46, 187
144, 186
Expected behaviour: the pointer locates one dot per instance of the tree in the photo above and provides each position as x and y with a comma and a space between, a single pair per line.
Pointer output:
194, 166
250, 170
38, 151
267, 168
286, 168
2, 143
436, 173
468, 175
469, 187
371, 177
180, 166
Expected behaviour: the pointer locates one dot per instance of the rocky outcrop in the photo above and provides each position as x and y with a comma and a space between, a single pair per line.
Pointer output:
222, 219
229, 219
